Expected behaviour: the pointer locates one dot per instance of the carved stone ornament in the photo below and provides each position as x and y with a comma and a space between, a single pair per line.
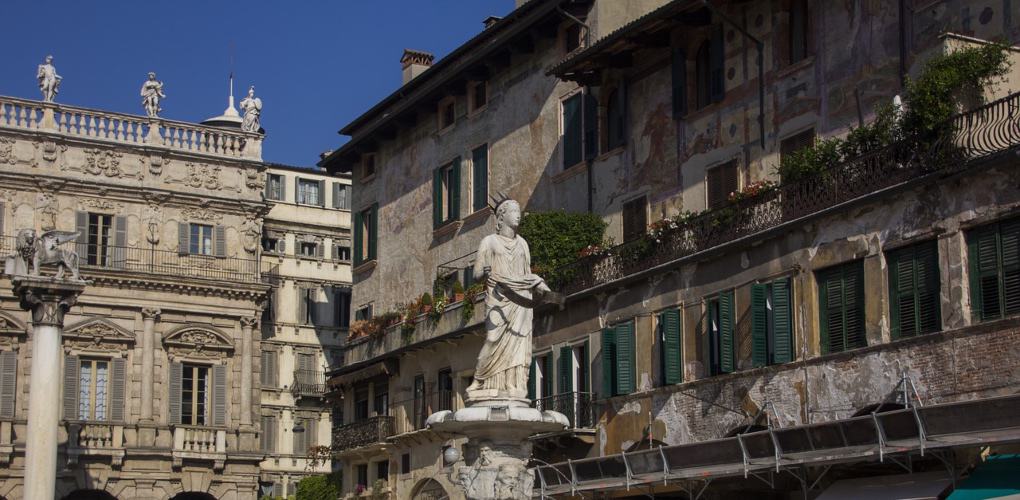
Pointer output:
249, 322
47, 299
198, 341
254, 180
250, 230
50, 149
202, 176
101, 205
103, 162
97, 335
202, 214
156, 164
7, 151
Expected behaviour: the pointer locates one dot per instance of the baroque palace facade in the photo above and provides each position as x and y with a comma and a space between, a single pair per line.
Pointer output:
781, 341
166, 392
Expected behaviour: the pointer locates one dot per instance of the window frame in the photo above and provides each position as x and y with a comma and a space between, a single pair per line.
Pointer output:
587, 134
447, 103
303, 185
197, 243
721, 350
204, 417
99, 238
616, 112
638, 230
853, 269
922, 254
768, 333
275, 190
473, 106
368, 166
446, 193
661, 325
718, 171
89, 406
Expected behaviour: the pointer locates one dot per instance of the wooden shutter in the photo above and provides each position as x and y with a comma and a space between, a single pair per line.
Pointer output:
608, 361
548, 377
672, 363
830, 298
373, 231
726, 343
282, 193
174, 397
572, 131
336, 195
219, 403
782, 321
531, 379
854, 289
322, 193
81, 224
300, 440
320, 249
358, 238
220, 234
625, 380
297, 191
183, 238
566, 369
914, 290
302, 309
842, 307
71, 368
119, 253
267, 193
2, 214
312, 433
118, 389
8, 383
759, 325
437, 198
591, 125
679, 75
265, 441
480, 178
455, 189
717, 64
277, 489
1009, 233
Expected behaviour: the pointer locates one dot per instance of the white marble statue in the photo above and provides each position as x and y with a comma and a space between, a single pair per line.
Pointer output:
251, 106
152, 93
504, 261
49, 80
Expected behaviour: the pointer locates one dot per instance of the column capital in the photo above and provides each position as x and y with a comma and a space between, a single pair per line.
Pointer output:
151, 312
48, 299
249, 321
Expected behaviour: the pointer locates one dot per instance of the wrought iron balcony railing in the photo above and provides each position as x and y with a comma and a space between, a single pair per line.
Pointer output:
158, 262
360, 434
309, 383
579, 407
976, 135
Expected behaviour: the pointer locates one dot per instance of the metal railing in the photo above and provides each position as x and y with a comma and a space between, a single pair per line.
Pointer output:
579, 407
309, 383
154, 261
976, 135
359, 434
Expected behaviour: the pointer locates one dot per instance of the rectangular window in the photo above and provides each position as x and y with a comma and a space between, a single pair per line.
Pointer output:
420, 404
580, 128
382, 470
366, 227
274, 187
477, 95
343, 251
269, 374
381, 398
635, 218
721, 182
798, 30
100, 238
447, 113
267, 439
720, 333
194, 394
444, 390
308, 249
446, 193
914, 290
678, 74
309, 192
201, 239
270, 245
571, 38
841, 303
618, 359
309, 305
367, 165
362, 474
994, 257
540, 377
361, 403
616, 118
93, 389
670, 348
343, 308
480, 177
405, 463
364, 313
341, 196
796, 142
582, 378
771, 323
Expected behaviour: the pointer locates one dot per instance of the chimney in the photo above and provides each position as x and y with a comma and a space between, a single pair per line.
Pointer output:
414, 63
519, 3
489, 21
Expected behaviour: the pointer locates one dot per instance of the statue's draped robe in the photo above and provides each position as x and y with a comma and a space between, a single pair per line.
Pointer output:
505, 356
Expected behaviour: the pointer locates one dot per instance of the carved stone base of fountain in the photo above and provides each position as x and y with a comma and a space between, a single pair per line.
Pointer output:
497, 450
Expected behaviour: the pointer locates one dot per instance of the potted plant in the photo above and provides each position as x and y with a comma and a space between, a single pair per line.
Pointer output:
458, 292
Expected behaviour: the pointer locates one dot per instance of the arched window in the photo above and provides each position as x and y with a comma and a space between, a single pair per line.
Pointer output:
615, 119
703, 75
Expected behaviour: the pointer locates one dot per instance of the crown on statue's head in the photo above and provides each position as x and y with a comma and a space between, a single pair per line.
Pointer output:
497, 200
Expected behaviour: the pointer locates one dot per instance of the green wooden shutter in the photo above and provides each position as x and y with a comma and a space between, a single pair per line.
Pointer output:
782, 321
717, 64
455, 189
547, 375
759, 325
625, 380
572, 131
914, 290
437, 198
71, 367
1010, 248
566, 369
531, 379
586, 364
726, 341
984, 273
358, 238
672, 363
591, 125
480, 178
118, 389
174, 396
830, 298
373, 232
678, 70
854, 289
8, 383
608, 361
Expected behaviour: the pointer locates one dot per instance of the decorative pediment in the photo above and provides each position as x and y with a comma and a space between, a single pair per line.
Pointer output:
98, 334
11, 325
198, 341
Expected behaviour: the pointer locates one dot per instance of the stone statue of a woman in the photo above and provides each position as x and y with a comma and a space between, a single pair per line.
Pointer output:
504, 262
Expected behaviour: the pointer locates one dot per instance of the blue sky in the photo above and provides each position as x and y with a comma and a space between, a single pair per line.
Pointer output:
316, 64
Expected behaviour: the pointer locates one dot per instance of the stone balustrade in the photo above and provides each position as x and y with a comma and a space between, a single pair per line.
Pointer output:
95, 438
38, 116
199, 443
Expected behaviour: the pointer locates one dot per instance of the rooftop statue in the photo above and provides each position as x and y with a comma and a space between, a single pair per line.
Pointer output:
33, 251
152, 93
251, 106
49, 80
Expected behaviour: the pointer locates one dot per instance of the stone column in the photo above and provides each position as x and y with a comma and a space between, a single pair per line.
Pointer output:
149, 317
247, 324
48, 300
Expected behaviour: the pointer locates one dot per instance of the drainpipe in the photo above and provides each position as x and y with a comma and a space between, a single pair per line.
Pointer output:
761, 66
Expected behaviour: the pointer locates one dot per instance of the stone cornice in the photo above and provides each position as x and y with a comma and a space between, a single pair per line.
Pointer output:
180, 285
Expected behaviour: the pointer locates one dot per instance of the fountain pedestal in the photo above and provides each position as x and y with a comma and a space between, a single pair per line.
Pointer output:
498, 448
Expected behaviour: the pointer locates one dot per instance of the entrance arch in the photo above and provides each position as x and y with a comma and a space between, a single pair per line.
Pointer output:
430, 489
193, 495
89, 495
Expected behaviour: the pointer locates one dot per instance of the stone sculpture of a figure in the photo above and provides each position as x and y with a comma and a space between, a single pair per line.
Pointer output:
152, 93
33, 251
251, 106
504, 261
49, 80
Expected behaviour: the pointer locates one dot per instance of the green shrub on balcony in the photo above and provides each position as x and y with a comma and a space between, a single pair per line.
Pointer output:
557, 237
324, 487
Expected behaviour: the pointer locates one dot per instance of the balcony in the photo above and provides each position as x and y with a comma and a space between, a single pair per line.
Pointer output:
368, 432
972, 137
134, 130
123, 259
95, 439
192, 442
579, 408
309, 383
410, 415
